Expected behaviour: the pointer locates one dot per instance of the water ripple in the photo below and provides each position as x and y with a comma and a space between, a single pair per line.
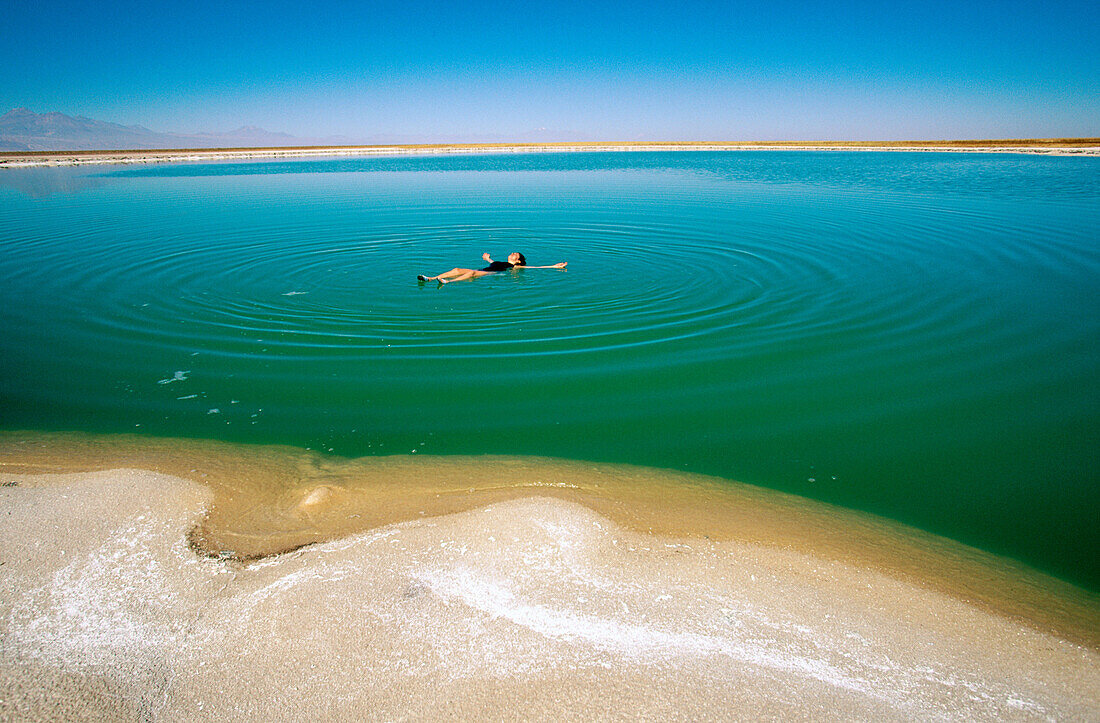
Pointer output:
906, 321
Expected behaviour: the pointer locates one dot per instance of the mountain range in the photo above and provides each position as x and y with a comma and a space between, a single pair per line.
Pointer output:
25, 130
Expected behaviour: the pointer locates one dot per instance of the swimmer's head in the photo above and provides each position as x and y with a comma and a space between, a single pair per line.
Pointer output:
517, 259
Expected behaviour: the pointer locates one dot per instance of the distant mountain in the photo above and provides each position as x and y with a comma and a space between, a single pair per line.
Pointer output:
25, 130
245, 136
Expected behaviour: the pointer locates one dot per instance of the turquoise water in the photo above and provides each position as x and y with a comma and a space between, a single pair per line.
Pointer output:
916, 335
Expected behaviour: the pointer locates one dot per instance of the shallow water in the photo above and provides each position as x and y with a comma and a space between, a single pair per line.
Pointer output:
265, 501
910, 334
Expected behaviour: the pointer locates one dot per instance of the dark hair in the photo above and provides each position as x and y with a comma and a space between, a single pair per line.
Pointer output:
522, 259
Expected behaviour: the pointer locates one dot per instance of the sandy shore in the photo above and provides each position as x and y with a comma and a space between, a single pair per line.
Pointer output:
497, 588
1059, 147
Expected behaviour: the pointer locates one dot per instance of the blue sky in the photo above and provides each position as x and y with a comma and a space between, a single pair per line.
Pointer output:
587, 70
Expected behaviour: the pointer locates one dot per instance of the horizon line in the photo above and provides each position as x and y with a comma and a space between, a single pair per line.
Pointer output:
16, 158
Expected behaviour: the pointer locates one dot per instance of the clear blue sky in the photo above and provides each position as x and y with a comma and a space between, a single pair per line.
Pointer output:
669, 70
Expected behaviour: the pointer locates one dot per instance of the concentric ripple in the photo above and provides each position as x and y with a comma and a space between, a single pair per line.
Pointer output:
853, 327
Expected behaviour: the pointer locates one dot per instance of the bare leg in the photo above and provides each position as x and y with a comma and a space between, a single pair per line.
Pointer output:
448, 274
455, 274
466, 275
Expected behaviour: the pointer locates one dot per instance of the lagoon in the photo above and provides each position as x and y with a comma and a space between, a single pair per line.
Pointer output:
914, 335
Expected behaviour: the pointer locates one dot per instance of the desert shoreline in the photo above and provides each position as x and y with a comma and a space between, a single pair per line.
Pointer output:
147, 579
24, 159
535, 607
270, 500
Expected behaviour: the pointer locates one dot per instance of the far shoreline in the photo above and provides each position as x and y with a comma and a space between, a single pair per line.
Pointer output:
1042, 146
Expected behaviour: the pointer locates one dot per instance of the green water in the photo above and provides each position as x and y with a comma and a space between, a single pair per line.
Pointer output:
915, 335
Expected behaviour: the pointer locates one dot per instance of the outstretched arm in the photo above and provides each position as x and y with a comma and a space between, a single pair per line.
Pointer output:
560, 265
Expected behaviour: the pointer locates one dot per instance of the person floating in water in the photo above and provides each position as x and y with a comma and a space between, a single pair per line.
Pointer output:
515, 261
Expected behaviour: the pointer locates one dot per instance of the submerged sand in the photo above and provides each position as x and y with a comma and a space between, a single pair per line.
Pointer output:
537, 589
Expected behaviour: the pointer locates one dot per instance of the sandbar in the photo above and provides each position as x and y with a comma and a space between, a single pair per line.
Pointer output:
272, 583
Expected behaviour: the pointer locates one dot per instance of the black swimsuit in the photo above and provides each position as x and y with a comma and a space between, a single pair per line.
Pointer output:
498, 266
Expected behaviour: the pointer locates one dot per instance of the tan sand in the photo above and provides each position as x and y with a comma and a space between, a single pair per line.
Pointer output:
537, 606
269, 500
1045, 146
